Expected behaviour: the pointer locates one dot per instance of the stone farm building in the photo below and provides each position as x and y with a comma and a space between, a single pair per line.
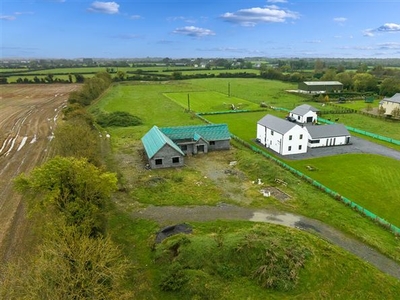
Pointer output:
390, 104
166, 147
320, 87
287, 138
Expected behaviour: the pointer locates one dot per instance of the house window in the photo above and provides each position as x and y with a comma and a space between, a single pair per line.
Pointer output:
298, 117
212, 143
313, 141
290, 137
183, 147
158, 161
175, 160
301, 136
290, 148
299, 147
272, 132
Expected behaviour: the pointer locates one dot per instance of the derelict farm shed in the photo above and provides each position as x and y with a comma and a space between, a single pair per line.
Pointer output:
166, 147
200, 138
161, 151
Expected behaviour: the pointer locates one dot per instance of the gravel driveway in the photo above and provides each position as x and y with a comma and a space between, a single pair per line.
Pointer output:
358, 145
171, 215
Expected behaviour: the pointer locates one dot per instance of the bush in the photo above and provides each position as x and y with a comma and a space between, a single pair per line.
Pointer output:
119, 119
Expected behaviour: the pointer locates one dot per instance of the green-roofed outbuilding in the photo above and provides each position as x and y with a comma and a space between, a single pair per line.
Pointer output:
161, 151
165, 147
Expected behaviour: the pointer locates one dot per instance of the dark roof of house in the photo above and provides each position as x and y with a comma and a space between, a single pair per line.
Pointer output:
154, 140
323, 83
276, 124
327, 131
301, 110
395, 98
211, 132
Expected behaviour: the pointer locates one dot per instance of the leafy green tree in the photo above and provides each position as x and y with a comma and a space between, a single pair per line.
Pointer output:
76, 138
79, 78
74, 190
329, 75
364, 82
68, 266
390, 86
346, 79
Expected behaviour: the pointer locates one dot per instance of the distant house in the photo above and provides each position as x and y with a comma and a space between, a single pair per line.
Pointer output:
161, 151
327, 135
304, 114
390, 104
318, 87
166, 147
281, 136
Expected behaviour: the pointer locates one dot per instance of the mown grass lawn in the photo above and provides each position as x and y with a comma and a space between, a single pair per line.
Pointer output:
206, 101
371, 181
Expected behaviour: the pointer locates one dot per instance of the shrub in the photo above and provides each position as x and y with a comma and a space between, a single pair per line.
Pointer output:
118, 118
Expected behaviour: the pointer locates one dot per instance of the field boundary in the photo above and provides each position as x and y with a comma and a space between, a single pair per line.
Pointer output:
335, 195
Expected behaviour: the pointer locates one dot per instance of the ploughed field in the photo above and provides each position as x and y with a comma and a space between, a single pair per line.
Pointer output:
28, 115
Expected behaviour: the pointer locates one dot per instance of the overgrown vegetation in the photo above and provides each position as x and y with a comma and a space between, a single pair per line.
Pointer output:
118, 119
271, 261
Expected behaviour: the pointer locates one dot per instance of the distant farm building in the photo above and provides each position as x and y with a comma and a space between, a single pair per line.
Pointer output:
166, 147
320, 87
390, 105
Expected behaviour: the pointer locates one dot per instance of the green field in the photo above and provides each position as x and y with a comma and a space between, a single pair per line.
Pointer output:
210, 101
348, 277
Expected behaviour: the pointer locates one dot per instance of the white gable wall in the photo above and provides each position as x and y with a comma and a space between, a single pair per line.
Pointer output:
389, 106
292, 142
303, 118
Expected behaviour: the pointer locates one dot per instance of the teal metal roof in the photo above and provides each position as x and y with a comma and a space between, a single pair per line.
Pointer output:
154, 140
211, 132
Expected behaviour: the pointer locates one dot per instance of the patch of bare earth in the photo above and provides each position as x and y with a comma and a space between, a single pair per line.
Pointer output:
28, 116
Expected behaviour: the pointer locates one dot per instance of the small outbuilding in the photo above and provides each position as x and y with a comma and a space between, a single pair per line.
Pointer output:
304, 114
319, 87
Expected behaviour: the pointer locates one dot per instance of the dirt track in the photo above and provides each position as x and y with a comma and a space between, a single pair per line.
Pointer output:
28, 114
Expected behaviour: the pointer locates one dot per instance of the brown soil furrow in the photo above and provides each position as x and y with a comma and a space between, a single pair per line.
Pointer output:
28, 117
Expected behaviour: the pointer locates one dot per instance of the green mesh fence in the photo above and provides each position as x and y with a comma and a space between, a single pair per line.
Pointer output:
320, 186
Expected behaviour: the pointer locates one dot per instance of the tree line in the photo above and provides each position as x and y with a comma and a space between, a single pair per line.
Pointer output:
68, 199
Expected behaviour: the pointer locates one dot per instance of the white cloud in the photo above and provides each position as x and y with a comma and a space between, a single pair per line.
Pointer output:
104, 7
256, 15
387, 27
340, 19
135, 17
193, 31
7, 18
